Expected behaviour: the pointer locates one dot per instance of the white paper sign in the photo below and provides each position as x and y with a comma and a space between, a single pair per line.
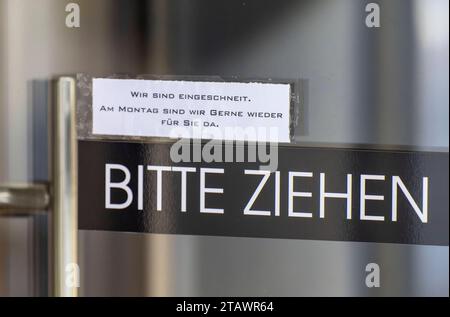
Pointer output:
191, 109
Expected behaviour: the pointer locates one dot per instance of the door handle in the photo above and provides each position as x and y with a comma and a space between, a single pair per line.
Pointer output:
59, 197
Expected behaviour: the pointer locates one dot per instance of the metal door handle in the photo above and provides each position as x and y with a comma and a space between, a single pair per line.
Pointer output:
59, 197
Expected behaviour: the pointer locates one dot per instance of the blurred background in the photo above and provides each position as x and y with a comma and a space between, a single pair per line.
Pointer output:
376, 86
